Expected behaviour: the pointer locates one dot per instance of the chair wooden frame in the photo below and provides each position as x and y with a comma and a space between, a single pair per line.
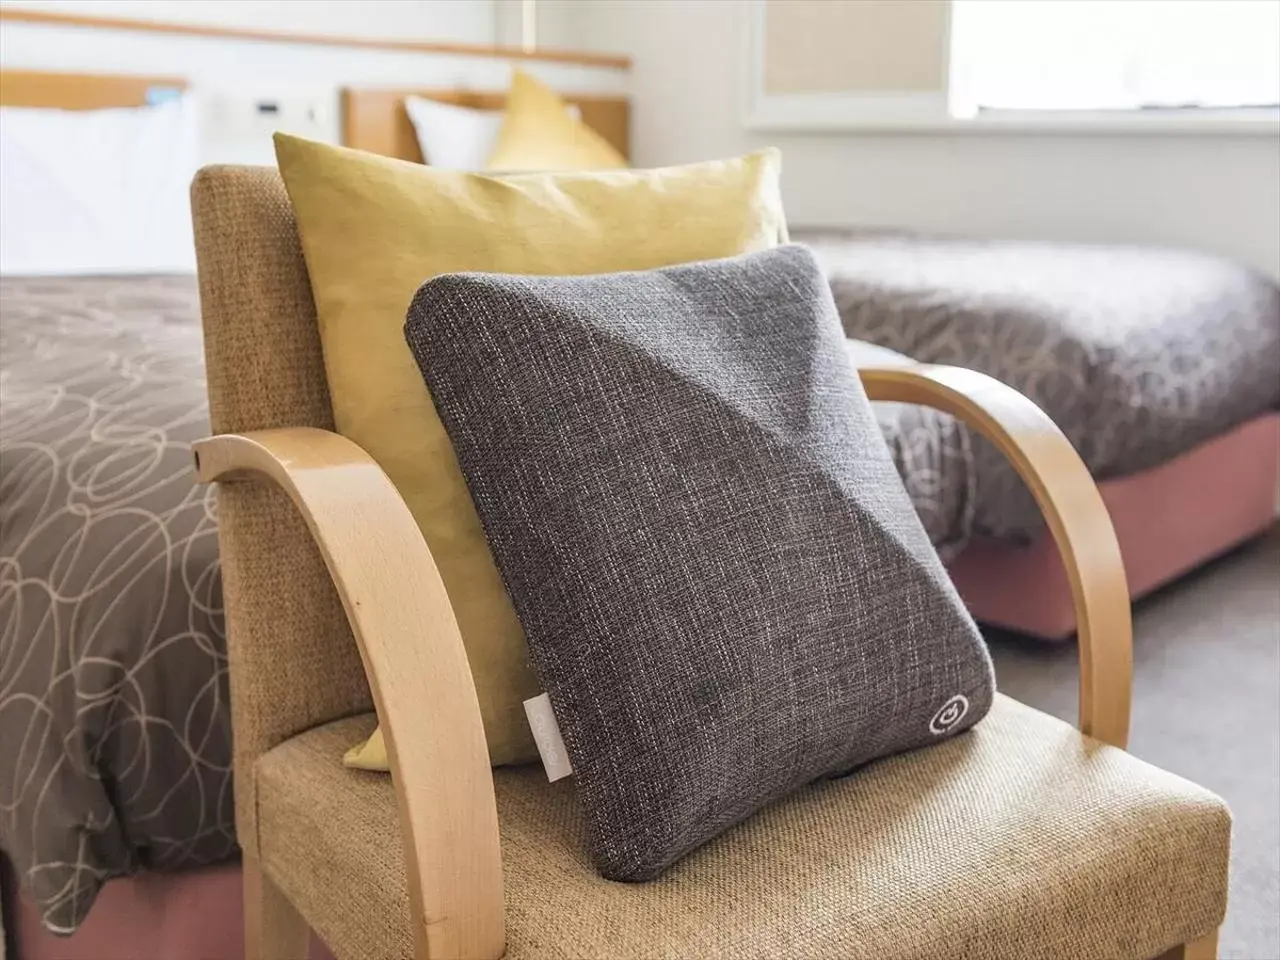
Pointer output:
422, 687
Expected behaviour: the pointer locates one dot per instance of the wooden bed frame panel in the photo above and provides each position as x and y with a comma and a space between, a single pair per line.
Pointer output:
375, 120
79, 91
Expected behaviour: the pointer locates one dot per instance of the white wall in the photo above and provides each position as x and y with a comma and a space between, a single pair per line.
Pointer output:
471, 21
1216, 193
560, 24
230, 78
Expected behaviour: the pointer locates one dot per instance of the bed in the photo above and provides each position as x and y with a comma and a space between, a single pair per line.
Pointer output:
1161, 366
113, 691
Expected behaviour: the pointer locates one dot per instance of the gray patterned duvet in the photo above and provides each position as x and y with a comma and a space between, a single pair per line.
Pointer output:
114, 728
933, 454
1138, 354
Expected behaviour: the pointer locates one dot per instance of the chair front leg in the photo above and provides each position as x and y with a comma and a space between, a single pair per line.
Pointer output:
1206, 948
273, 929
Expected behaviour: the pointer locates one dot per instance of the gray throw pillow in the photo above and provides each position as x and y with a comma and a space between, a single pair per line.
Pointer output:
725, 590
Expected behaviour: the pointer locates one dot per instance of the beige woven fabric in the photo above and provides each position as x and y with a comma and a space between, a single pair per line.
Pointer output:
1020, 839
292, 659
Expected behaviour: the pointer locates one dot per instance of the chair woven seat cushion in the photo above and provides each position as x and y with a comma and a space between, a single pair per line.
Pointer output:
1020, 839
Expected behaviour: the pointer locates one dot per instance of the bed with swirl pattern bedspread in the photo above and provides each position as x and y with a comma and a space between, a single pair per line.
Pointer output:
116, 753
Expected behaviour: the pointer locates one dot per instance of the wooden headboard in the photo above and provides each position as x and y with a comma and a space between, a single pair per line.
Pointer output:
82, 91
375, 120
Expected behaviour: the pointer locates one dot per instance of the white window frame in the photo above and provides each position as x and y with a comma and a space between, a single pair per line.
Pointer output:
926, 113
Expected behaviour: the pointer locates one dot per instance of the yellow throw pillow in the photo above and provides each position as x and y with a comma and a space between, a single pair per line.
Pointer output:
539, 133
373, 229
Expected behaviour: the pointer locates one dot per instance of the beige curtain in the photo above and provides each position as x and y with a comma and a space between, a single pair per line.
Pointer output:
855, 46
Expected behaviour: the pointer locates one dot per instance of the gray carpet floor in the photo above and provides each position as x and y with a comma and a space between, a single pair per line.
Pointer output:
1206, 706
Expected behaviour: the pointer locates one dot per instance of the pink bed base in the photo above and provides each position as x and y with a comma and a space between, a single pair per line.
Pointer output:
1168, 520
191, 915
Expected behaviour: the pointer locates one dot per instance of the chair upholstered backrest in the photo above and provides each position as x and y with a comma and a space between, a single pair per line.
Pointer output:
293, 662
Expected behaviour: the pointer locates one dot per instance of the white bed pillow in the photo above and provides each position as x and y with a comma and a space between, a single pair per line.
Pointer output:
457, 138
97, 191
453, 137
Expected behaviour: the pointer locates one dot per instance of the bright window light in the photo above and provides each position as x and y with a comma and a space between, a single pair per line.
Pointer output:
1103, 55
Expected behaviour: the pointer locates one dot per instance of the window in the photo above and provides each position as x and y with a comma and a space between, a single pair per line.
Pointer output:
1109, 55
980, 65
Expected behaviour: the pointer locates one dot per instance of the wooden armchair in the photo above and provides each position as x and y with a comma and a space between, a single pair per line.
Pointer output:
1023, 838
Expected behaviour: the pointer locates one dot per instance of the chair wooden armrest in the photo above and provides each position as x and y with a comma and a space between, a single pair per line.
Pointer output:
1073, 509
417, 670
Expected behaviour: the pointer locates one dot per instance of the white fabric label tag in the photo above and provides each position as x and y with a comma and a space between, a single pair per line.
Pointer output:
546, 733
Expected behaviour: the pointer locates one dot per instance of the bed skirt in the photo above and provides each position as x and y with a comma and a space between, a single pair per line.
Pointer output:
157, 916
1168, 519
